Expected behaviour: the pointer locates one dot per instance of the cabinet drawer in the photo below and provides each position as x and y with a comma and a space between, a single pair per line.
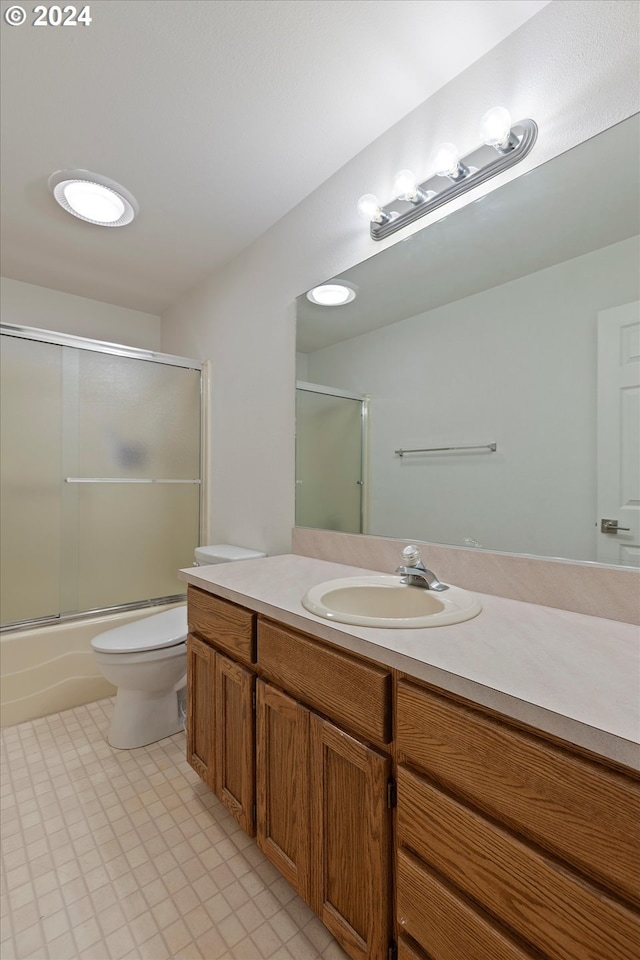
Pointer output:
581, 811
524, 889
354, 694
229, 627
442, 923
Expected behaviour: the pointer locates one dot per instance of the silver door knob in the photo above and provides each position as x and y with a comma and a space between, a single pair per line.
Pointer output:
611, 526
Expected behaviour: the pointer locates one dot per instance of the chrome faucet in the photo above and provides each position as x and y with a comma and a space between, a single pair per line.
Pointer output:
415, 574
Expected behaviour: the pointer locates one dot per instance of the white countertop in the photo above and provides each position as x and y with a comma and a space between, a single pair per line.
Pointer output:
574, 676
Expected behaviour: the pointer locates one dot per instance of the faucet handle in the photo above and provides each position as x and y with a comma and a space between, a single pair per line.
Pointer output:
411, 556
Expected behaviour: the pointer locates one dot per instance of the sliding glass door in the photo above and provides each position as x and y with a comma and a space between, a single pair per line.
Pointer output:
330, 432
100, 485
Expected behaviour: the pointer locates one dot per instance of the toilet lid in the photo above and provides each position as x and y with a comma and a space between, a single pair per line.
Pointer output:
152, 633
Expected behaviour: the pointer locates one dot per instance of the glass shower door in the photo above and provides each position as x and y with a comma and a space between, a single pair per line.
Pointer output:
100, 478
329, 461
132, 468
31, 465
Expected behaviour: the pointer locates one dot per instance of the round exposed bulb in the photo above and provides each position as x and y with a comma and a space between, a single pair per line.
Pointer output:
93, 201
405, 185
495, 127
446, 161
369, 208
331, 294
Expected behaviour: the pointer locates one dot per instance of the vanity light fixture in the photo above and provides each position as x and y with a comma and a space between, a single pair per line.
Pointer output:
334, 294
93, 198
504, 144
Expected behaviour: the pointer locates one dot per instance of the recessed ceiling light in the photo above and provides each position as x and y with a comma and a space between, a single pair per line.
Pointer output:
94, 198
332, 294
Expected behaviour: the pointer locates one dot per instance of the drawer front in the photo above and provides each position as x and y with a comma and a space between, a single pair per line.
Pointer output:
524, 889
586, 814
229, 627
442, 923
354, 694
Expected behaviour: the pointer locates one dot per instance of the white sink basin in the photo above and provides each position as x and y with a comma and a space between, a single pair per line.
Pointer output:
383, 601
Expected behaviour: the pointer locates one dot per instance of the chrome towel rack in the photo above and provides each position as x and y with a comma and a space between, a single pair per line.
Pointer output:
122, 480
491, 447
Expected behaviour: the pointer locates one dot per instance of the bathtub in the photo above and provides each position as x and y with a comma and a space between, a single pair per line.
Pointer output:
49, 669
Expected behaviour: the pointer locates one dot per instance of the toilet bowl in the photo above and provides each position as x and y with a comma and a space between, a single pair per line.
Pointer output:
147, 662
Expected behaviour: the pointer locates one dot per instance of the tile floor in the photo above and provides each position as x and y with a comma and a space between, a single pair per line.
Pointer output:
110, 854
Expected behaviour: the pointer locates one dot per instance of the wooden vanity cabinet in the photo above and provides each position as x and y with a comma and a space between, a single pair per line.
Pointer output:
509, 844
322, 793
282, 796
220, 701
200, 708
515, 842
350, 840
235, 741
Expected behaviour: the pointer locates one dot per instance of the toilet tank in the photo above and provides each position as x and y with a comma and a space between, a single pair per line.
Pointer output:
224, 553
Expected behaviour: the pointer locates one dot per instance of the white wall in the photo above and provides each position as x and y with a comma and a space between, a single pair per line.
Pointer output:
573, 67
31, 306
534, 340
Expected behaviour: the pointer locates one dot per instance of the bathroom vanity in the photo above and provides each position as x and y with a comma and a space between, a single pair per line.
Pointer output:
466, 791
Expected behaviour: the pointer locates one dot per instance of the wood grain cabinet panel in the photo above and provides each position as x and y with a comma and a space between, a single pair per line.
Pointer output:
586, 814
353, 693
234, 740
350, 841
282, 799
229, 627
532, 895
409, 951
445, 924
200, 709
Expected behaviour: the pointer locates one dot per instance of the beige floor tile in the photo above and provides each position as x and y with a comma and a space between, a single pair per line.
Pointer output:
126, 855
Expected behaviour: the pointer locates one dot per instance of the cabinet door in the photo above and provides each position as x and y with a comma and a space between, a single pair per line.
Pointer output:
350, 841
200, 709
234, 741
282, 773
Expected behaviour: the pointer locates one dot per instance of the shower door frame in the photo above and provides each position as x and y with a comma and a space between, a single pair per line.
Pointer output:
136, 353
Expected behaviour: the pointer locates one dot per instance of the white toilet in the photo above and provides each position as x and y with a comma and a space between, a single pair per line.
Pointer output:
147, 662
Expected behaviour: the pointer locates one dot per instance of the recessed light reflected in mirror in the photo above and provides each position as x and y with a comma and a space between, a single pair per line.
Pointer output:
332, 294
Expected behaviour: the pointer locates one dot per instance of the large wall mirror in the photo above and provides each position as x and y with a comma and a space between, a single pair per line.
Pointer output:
510, 331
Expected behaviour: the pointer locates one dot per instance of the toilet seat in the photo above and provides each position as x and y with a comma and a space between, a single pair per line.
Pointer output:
156, 632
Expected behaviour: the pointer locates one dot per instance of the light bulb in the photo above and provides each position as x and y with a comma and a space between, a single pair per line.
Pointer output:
93, 201
495, 127
405, 185
369, 208
446, 162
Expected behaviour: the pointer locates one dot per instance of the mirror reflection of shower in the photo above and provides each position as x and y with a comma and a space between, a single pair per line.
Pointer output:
331, 434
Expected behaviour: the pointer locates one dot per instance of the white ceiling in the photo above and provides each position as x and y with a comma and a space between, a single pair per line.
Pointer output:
218, 115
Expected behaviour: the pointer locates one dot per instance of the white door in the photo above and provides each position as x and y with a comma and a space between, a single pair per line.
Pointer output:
619, 434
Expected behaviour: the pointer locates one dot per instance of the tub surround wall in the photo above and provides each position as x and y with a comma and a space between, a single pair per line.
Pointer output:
49, 669
589, 588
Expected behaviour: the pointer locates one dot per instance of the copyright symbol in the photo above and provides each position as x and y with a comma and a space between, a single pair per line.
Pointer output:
15, 16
